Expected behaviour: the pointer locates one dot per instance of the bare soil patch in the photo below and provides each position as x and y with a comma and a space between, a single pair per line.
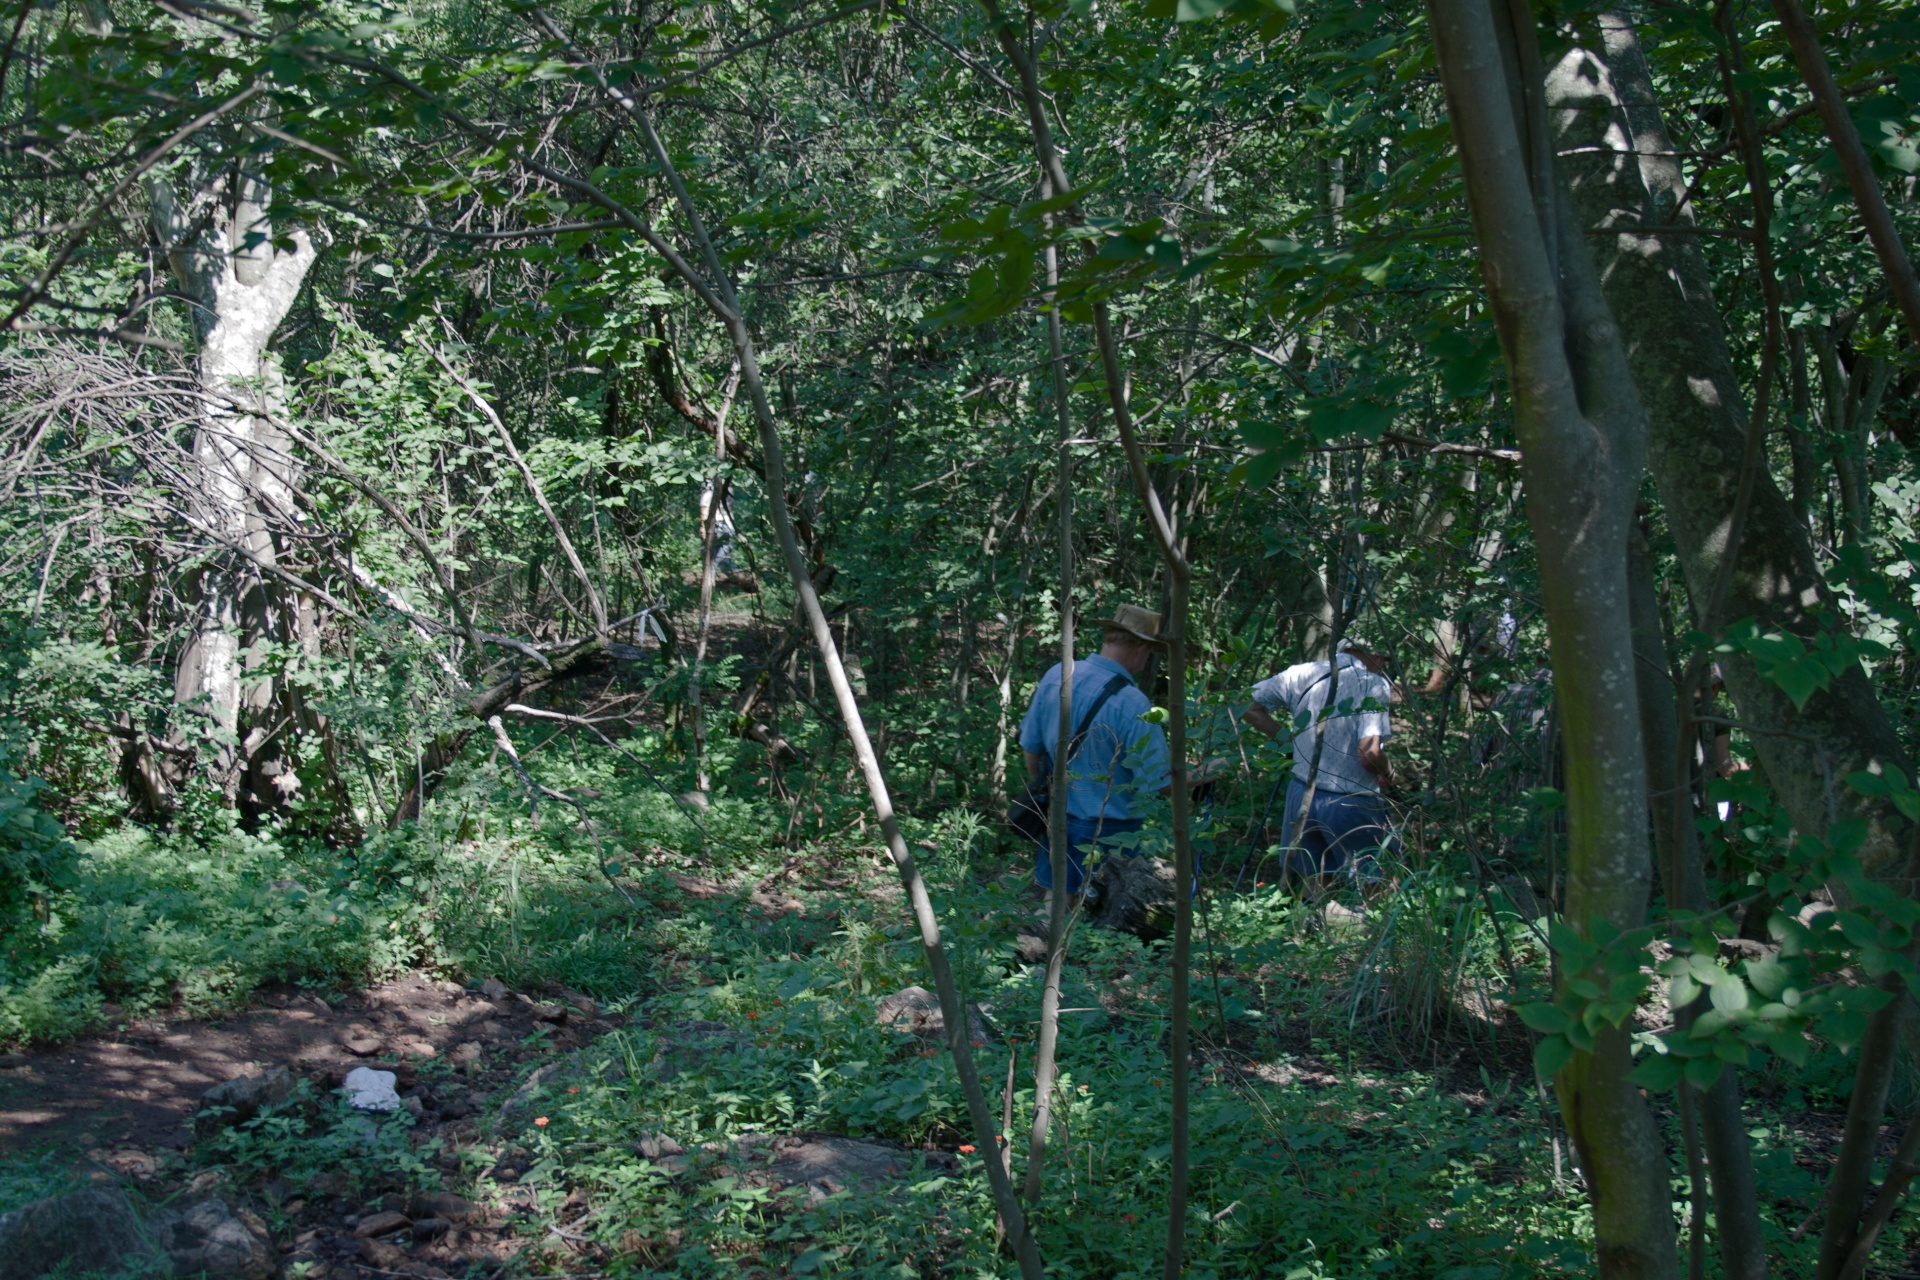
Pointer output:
141, 1085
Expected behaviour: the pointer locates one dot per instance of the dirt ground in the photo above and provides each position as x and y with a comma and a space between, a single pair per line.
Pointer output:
142, 1084
121, 1106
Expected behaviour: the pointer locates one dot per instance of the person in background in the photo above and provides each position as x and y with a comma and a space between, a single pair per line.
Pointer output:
1121, 757
1345, 822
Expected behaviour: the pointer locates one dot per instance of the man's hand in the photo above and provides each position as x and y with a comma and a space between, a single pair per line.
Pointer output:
1373, 758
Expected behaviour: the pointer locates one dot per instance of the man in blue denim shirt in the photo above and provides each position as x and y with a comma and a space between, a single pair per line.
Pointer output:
1123, 757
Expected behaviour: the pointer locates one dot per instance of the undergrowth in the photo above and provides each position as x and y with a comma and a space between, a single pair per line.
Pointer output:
1363, 1103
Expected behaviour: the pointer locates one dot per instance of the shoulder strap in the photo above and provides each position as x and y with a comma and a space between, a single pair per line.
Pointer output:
1293, 704
1114, 686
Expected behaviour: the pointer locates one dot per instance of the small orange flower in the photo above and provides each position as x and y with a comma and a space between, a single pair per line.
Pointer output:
1126, 1217
978, 1043
966, 1148
540, 1122
752, 1013
573, 1088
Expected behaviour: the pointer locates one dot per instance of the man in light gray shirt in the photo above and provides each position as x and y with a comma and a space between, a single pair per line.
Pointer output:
1339, 724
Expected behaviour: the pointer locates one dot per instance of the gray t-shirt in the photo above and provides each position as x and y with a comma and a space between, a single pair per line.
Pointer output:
1298, 696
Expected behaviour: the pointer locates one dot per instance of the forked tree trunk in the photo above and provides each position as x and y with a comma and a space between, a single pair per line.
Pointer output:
241, 292
1625, 180
1580, 428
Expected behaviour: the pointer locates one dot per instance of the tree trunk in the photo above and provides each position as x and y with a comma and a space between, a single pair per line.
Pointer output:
1581, 434
1657, 287
241, 291
1044, 1070
1729, 1154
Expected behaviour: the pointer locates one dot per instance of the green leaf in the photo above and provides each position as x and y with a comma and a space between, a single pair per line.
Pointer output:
1768, 975
1545, 799
1705, 971
1547, 1019
1551, 1054
1730, 997
1259, 471
1702, 1073
1656, 1072
1569, 945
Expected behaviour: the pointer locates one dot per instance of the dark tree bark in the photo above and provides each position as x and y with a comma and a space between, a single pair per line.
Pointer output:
1729, 1155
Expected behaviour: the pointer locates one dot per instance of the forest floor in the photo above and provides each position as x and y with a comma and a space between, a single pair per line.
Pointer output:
733, 1098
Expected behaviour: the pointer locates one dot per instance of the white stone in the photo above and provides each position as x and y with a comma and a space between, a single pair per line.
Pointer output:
370, 1090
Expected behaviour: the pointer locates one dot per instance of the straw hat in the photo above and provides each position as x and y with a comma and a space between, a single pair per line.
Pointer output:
1141, 624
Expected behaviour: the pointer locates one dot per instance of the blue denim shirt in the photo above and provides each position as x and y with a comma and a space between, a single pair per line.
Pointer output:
1123, 757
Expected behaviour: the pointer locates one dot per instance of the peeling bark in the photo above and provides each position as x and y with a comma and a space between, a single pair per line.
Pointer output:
242, 288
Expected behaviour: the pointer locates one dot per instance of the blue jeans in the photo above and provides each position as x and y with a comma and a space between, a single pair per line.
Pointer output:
1081, 834
1343, 832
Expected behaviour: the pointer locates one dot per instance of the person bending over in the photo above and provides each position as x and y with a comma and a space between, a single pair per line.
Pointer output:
1345, 822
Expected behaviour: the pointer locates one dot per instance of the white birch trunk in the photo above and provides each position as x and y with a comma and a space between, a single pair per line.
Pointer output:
244, 468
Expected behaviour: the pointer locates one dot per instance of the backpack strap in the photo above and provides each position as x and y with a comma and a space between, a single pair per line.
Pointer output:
1114, 686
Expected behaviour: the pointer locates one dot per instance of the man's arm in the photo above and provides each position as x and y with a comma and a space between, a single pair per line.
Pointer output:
1034, 763
1373, 758
1260, 718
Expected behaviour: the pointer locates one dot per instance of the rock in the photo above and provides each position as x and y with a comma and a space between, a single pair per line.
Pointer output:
361, 1040
91, 1230
417, 1047
1030, 948
371, 1090
384, 1223
379, 1253
474, 1012
1339, 918
916, 1010
240, 1099
1133, 895
430, 1228
444, 1204
214, 1239
822, 1164
494, 989
452, 1103
658, 1146
550, 1011
464, 1054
